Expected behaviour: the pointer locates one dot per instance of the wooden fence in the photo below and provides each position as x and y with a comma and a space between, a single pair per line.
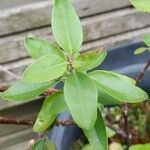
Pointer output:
107, 23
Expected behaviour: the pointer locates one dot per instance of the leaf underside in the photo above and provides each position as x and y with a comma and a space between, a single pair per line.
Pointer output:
89, 60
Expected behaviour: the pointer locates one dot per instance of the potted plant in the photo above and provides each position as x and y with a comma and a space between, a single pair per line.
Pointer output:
84, 92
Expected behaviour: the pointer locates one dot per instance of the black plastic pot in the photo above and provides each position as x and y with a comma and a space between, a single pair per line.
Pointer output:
121, 60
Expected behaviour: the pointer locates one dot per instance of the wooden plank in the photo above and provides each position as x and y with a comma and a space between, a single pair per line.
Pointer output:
16, 138
23, 146
21, 111
96, 27
38, 14
113, 23
117, 40
12, 134
18, 68
108, 42
7, 4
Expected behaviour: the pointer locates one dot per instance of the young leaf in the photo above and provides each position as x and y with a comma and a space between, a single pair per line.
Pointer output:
142, 5
110, 132
52, 105
81, 97
37, 47
140, 147
44, 144
88, 147
22, 91
100, 107
117, 88
89, 60
140, 50
45, 69
147, 40
97, 135
66, 26
49, 145
39, 145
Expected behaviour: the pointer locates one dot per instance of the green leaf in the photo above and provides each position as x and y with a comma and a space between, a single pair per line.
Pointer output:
140, 50
22, 91
81, 97
140, 147
142, 5
123, 77
88, 147
66, 26
147, 40
97, 135
45, 69
44, 144
89, 60
110, 132
100, 107
55, 103
118, 88
105, 98
39, 145
49, 145
38, 47
52, 105
44, 121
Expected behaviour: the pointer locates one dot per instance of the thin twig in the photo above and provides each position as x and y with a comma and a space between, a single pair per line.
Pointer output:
6, 120
118, 131
9, 72
3, 88
142, 73
126, 128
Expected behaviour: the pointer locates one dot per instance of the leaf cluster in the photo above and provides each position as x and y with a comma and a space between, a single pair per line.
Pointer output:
84, 91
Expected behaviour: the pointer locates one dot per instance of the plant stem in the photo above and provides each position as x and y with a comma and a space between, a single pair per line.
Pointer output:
126, 128
118, 131
9, 73
142, 73
5, 120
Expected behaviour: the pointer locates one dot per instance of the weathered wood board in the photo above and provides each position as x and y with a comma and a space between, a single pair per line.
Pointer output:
18, 67
96, 27
12, 134
36, 15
